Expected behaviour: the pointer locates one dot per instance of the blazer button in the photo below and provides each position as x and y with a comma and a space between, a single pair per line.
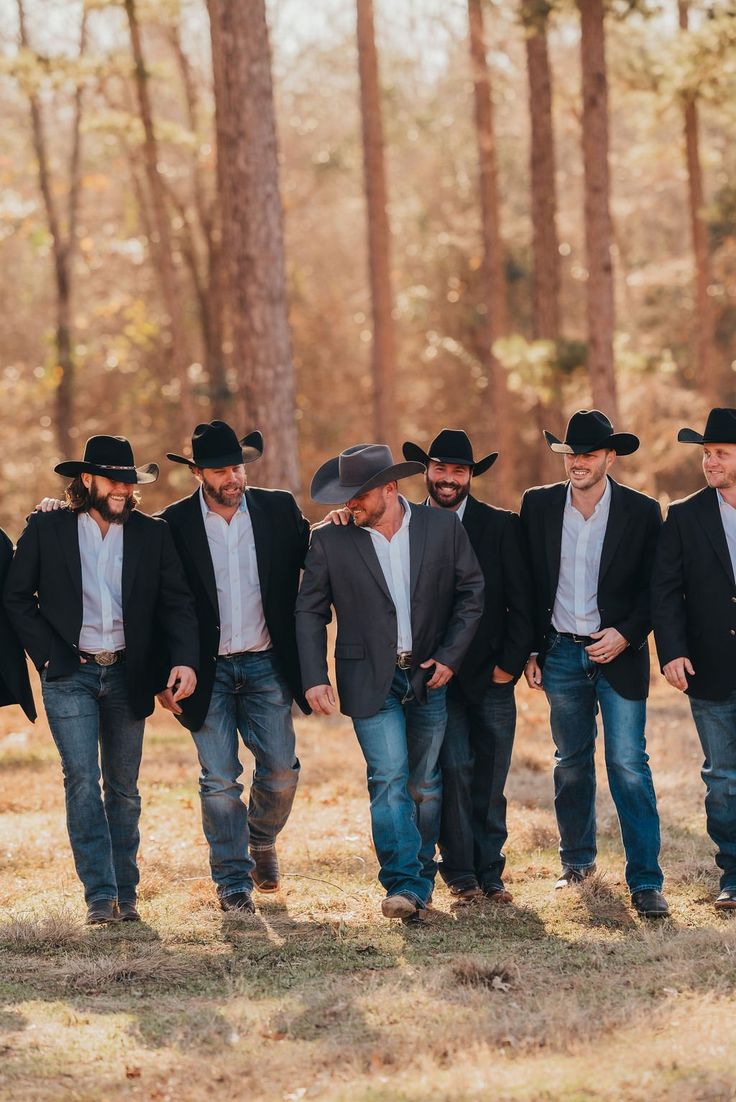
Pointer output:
733, 632
733, 598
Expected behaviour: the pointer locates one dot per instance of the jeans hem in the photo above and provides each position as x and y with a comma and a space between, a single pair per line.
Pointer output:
647, 888
422, 903
248, 889
101, 898
577, 868
261, 849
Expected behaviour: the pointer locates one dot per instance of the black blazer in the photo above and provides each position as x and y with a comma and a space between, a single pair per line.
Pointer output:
694, 595
281, 536
43, 597
506, 631
15, 686
629, 546
342, 570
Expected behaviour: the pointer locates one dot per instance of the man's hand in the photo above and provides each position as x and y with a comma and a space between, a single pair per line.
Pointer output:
675, 672
608, 645
441, 676
49, 505
501, 677
182, 682
533, 673
321, 699
166, 700
338, 516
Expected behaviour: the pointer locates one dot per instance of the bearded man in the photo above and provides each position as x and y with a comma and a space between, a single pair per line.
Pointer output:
97, 596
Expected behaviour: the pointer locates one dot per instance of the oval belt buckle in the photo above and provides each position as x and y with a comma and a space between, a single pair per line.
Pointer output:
106, 658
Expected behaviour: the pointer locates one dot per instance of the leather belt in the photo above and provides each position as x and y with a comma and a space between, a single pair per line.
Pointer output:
403, 660
104, 657
584, 640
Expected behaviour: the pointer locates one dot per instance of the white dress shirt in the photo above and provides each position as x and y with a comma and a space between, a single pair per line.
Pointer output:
460, 509
576, 601
395, 563
233, 550
102, 586
728, 519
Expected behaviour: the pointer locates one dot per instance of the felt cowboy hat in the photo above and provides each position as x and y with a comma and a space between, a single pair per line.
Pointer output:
357, 470
450, 446
111, 457
589, 430
720, 428
217, 445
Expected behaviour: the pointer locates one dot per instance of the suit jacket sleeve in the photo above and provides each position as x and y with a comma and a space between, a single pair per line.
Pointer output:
313, 614
668, 600
636, 627
519, 639
176, 611
468, 607
302, 527
538, 627
21, 597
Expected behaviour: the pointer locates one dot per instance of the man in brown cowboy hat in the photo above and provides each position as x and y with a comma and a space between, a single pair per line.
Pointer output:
694, 613
591, 546
407, 591
243, 550
98, 596
481, 710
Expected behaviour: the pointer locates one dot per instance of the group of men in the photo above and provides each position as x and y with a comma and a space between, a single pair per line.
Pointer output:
440, 607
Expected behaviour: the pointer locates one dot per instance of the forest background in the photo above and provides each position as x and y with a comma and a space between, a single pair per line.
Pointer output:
484, 225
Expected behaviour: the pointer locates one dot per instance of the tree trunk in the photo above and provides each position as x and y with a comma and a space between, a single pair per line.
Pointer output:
600, 300
495, 318
163, 245
546, 277
708, 375
252, 231
383, 354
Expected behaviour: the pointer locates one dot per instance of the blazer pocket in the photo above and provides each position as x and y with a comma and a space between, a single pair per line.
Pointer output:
349, 650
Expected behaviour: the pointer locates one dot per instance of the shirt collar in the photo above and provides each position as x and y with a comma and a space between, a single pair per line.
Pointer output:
460, 511
207, 512
405, 522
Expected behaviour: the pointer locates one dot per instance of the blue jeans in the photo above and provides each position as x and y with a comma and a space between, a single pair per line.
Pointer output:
576, 689
475, 760
96, 732
401, 746
715, 721
250, 697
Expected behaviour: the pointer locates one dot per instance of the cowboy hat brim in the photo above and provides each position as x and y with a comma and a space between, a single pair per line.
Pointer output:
414, 452
327, 489
690, 436
72, 467
252, 449
623, 443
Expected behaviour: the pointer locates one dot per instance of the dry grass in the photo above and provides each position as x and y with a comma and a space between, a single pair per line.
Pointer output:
559, 995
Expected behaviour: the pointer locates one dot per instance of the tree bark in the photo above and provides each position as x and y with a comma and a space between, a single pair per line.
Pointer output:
383, 353
600, 297
163, 245
252, 231
708, 375
495, 319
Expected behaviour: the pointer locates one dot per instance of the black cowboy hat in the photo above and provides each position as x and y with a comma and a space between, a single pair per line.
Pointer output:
217, 445
357, 470
111, 457
450, 446
720, 428
589, 430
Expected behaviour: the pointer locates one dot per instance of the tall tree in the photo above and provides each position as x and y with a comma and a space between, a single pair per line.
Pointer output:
707, 358
495, 318
379, 234
600, 298
162, 228
252, 230
62, 225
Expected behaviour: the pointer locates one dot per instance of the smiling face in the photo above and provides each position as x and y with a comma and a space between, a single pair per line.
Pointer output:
114, 501
448, 484
223, 485
719, 465
368, 509
586, 471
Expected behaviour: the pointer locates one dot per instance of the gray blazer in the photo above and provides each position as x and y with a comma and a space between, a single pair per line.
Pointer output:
342, 571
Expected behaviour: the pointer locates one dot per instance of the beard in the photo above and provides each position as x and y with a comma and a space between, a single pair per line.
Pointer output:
226, 497
453, 493
100, 502
367, 520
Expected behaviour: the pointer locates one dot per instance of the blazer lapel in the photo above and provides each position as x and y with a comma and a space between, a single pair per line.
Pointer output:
618, 519
713, 527
133, 541
364, 544
553, 534
262, 539
195, 537
417, 539
473, 520
69, 540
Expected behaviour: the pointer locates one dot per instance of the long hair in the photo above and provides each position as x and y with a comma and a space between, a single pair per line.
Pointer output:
77, 496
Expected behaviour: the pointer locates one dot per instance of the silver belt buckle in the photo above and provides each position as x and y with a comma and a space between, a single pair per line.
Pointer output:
403, 660
106, 658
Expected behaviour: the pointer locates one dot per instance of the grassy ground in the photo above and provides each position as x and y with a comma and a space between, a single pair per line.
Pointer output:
318, 996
